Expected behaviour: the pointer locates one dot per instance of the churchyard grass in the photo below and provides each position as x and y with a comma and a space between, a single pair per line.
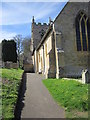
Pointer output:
70, 94
10, 84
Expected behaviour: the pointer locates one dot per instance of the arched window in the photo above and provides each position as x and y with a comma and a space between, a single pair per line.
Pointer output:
78, 34
82, 32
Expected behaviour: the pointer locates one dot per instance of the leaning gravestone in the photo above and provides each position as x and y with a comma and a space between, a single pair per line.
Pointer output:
85, 76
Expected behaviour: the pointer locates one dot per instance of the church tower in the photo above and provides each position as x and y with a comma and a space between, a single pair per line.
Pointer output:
31, 45
37, 32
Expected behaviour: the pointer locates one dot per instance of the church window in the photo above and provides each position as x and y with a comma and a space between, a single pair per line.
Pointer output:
82, 32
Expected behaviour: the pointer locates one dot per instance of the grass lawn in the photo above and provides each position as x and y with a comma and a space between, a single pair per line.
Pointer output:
10, 84
70, 94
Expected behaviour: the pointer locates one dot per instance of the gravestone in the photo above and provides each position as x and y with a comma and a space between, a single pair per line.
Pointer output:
85, 76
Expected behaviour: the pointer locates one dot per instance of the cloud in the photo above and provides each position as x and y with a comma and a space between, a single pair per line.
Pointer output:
35, 0
20, 12
0, 12
6, 35
16, 16
45, 0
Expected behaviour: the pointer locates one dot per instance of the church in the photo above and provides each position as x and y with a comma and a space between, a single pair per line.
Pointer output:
62, 47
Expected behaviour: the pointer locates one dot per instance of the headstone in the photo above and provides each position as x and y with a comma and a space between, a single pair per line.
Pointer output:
85, 76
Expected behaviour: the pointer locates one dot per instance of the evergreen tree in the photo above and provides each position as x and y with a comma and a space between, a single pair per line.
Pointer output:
9, 51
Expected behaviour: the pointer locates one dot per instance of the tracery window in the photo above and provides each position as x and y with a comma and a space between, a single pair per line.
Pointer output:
83, 32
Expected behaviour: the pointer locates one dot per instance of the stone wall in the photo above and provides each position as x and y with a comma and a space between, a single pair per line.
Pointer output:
28, 67
74, 61
10, 65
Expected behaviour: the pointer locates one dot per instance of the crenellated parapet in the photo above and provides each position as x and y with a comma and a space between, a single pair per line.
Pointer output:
41, 24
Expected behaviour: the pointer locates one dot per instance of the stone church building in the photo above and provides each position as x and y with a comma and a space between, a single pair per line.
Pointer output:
62, 48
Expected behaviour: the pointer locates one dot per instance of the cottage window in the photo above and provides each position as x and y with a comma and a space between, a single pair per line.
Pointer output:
46, 48
39, 57
41, 63
82, 32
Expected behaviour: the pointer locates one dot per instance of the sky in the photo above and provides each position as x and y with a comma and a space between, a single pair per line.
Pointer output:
16, 17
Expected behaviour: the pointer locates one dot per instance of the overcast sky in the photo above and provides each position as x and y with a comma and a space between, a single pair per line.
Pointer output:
16, 16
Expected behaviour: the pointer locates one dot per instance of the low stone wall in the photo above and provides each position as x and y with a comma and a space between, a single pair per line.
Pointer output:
0, 63
10, 65
28, 67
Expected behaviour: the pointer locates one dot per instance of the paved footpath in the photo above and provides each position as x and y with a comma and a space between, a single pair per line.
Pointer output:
38, 103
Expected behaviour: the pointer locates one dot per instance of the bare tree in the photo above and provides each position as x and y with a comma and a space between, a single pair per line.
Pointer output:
26, 50
18, 39
26, 46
